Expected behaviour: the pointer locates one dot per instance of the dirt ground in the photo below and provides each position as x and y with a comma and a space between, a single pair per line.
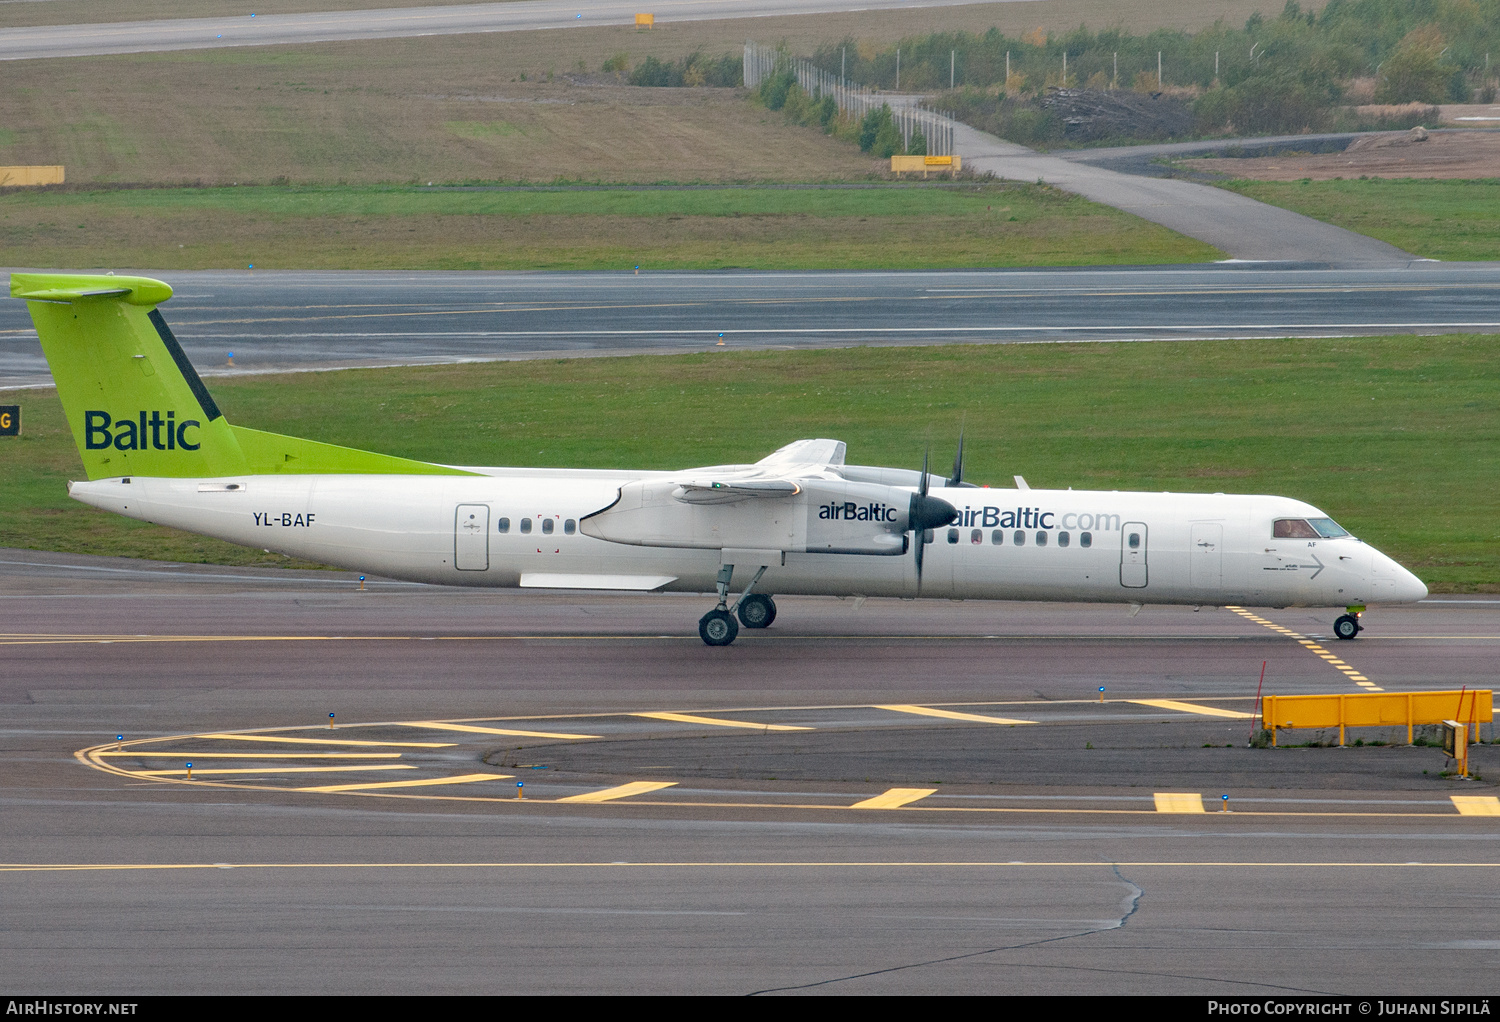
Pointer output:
1447, 155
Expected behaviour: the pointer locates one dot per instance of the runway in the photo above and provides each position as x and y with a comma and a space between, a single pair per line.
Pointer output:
398, 22
309, 320
891, 796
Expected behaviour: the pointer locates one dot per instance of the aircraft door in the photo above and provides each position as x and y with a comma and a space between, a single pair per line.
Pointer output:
1133, 555
1206, 556
471, 537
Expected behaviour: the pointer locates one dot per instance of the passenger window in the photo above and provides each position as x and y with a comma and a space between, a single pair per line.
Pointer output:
1041, 539
1019, 538
998, 537
952, 535
1293, 528
1085, 539
976, 537
525, 524
505, 525
1135, 541
570, 526
547, 526
1062, 539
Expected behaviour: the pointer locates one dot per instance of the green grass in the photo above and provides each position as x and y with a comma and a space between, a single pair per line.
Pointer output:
1398, 438
1448, 220
364, 227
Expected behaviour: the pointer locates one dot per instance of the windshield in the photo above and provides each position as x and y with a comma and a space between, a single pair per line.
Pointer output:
1307, 528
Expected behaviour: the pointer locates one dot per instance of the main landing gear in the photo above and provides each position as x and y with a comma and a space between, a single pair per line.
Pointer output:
1347, 626
719, 628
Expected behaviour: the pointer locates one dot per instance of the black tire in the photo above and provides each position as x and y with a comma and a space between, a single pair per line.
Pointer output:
718, 628
757, 611
1346, 626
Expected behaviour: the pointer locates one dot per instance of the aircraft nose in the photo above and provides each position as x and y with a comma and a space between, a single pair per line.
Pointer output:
1394, 584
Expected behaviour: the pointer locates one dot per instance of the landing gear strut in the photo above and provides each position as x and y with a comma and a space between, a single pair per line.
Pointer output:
1347, 626
718, 627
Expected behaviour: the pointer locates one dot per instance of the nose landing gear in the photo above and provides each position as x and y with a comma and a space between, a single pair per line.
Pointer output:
1347, 626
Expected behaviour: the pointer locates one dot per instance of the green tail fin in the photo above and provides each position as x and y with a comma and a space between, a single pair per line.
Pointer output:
134, 402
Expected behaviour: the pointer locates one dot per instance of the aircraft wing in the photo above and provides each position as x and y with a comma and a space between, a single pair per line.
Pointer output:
804, 455
779, 474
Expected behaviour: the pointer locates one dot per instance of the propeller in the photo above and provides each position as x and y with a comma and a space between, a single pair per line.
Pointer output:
925, 513
958, 462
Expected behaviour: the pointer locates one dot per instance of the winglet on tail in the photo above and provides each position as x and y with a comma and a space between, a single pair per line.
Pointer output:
134, 402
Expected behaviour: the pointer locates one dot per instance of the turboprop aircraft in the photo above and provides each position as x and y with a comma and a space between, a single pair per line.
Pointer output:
156, 447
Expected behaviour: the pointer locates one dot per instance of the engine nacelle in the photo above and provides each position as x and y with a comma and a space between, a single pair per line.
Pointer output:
830, 516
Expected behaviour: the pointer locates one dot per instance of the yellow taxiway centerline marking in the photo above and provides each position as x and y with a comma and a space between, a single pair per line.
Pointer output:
621, 791
322, 741
928, 711
1179, 802
254, 755
278, 770
421, 782
688, 718
41, 867
1476, 805
895, 798
473, 729
1207, 711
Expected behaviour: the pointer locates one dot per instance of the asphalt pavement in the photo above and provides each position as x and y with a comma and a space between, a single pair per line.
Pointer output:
310, 320
701, 820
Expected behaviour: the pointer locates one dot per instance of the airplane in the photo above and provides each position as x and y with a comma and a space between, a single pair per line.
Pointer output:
156, 447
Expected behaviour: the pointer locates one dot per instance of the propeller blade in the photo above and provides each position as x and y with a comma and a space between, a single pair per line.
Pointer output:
958, 461
925, 478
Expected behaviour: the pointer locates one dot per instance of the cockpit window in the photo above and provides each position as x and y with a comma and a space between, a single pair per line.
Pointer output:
1327, 528
1309, 528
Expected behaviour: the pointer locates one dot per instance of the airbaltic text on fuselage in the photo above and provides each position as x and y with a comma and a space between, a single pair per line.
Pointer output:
1036, 518
852, 512
138, 434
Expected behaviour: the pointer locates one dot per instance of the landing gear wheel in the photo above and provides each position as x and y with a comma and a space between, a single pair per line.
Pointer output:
757, 611
1346, 627
718, 628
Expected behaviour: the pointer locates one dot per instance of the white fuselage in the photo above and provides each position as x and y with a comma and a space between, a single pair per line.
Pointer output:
1066, 545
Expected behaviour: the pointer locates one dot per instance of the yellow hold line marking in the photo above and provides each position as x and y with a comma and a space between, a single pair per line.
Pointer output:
1179, 802
928, 711
474, 729
278, 770
322, 741
421, 782
1476, 805
688, 718
895, 798
1207, 711
621, 791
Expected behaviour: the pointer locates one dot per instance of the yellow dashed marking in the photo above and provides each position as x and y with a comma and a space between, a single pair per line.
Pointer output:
1476, 805
324, 741
254, 755
1207, 711
688, 718
276, 770
421, 782
1179, 802
622, 791
475, 729
894, 798
1308, 644
928, 711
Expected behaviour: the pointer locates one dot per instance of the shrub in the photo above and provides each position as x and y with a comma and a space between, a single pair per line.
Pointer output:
653, 73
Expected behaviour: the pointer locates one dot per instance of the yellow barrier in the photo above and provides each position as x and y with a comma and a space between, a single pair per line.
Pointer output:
905, 164
14, 176
649, 20
1378, 709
